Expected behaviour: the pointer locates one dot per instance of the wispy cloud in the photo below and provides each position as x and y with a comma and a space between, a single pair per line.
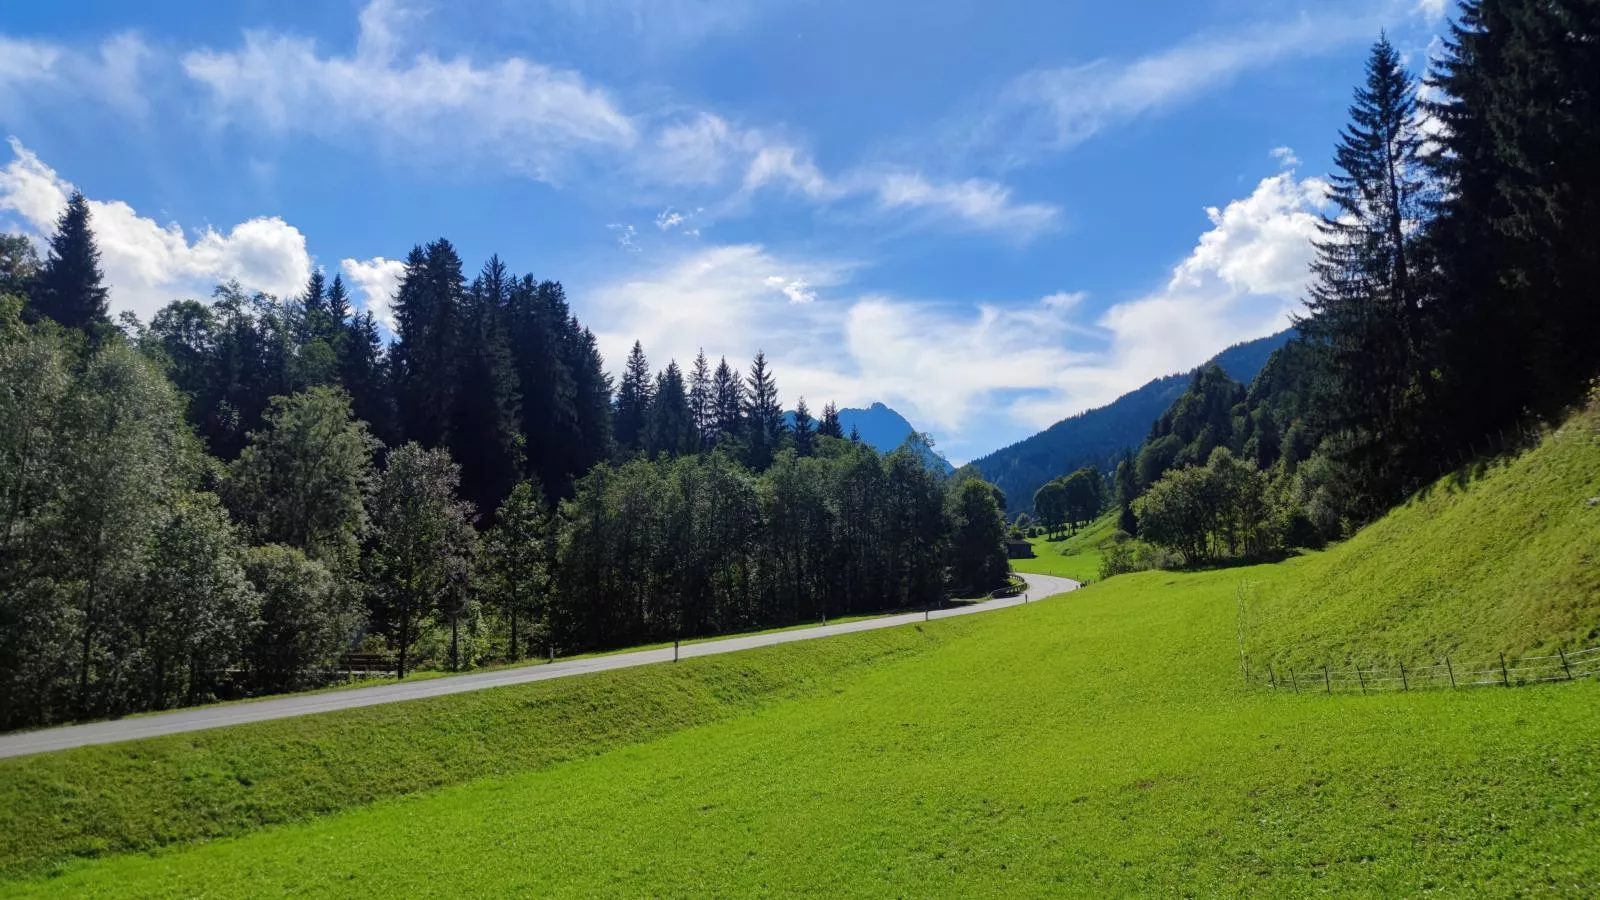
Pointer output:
530, 116
36, 72
1051, 109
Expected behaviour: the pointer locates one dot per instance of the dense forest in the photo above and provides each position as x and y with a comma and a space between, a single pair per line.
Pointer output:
228, 499
1453, 305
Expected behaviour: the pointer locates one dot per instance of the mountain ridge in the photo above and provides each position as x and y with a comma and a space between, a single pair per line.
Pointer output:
1097, 436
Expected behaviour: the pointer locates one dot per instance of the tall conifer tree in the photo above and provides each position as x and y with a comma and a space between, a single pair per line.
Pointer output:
71, 289
804, 429
763, 416
829, 426
1364, 307
633, 402
702, 400
727, 391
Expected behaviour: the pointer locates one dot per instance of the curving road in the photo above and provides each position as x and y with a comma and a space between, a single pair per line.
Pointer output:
201, 718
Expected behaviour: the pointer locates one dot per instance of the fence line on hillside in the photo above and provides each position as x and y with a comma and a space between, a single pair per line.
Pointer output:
1448, 674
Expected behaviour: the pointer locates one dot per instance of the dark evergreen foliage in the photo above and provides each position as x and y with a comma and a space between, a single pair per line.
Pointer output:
485, 436
763, 415
634, 393
669, 425
1365, 309
829, 425
804, 429
70, 287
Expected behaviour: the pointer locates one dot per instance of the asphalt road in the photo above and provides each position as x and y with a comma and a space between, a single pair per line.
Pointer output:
201, 718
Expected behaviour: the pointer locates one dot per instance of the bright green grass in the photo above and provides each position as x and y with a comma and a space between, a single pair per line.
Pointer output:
1094, 743
1076, 557
1503, 559
146, 794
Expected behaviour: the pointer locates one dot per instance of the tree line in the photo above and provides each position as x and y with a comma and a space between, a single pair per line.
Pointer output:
227, 500
1453, 299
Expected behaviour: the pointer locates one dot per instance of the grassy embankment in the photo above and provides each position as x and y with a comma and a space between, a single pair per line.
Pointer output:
1099, 742
1076, 557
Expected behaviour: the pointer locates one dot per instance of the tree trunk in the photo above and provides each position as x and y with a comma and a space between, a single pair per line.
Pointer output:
455, 646
512, 653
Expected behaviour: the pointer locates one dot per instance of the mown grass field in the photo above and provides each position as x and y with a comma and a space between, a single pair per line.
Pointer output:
1076, 557
1100, 742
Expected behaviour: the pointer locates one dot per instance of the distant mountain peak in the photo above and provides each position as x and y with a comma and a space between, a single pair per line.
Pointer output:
883, 429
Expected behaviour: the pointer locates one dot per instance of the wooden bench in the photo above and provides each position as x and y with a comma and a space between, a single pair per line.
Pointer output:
367, 664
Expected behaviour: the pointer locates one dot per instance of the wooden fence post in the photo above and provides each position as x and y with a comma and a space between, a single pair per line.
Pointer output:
1451, 669
1564, 667
1272, 677
1404, 684
1505, 675
1362, 679
674, 651
1294, 680
1327, 680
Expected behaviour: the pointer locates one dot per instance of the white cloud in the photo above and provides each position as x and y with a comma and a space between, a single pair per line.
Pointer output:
625, 236
37, 73
1260, 244
795, 289
378, 279
1243, 278
667, 220
788, 167
974, 202
25, 61
968, 370
533, 117
1432, 10
1053, 109
731, 300
1286, 157
146, 264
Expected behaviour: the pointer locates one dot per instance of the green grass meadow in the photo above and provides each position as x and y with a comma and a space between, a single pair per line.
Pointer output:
1101, 742
1077, 556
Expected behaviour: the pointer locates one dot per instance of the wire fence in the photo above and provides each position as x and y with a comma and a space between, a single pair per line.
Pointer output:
1447, 674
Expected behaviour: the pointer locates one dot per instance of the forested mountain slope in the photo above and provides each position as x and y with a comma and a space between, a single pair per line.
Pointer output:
1097, 437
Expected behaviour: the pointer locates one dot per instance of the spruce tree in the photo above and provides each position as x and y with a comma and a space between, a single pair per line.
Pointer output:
591, 399
763, 416
670, 428
1364, 306
314, 319
727, 392
633, 403
428, 315
338, 303
537, 327
702, 399
71, 289
829, 426
485, 436
804, 429
1516, 257
364, 374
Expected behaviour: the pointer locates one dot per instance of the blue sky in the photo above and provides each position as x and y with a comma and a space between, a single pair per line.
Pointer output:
988, 215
